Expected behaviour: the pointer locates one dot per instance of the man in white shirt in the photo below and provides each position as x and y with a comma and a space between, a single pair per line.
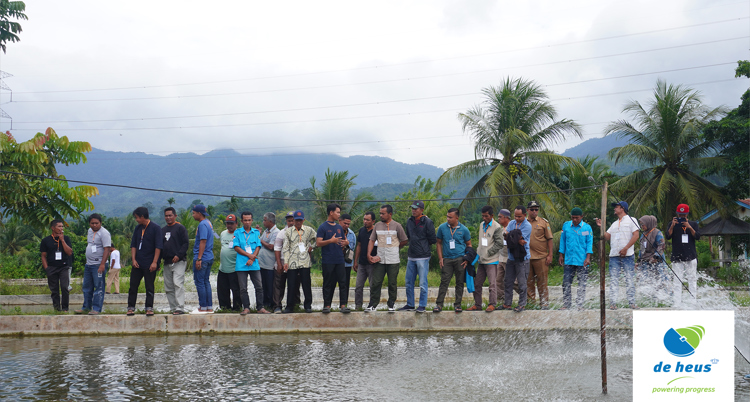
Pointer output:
114, 270
622, 235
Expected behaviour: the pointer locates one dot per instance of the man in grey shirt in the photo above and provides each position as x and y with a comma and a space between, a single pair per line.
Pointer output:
267, 258
98, 242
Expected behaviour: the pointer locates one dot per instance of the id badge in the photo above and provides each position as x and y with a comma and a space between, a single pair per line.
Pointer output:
248, 249
376, 243
93, 248
505, 242
301, 247
388, 240
451, 244
643, 245
140, 244
485, 243
684, 238
58, 255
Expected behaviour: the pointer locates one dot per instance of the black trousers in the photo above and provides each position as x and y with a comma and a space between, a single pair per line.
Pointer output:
58, 281
279, 288
136, 274
294, 278
255, 278
332, 274
267, 277
224, 284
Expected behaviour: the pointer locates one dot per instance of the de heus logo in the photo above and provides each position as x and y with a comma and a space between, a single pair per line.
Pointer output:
682, 342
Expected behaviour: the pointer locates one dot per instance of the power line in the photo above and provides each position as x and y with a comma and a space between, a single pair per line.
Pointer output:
388, 65
359, 117
281, 198
405, 79
384, 81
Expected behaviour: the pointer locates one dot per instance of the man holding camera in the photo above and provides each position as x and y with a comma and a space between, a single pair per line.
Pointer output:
684, 233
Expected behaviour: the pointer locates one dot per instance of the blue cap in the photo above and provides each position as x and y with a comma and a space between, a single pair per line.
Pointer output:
623, 204
200, 208
299, 215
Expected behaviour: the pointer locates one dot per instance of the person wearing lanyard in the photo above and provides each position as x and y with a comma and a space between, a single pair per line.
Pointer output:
299, 242
651, 260
247, 245
227, 281
203, 258
452, 240
57, 251
683, 234
388, 236
488, 252
97, 263
174, 255
145, 248
267, 258
576, 247
280, 277
362, 265
622, 235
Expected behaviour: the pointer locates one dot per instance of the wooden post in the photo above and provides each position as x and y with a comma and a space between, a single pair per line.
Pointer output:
602, 287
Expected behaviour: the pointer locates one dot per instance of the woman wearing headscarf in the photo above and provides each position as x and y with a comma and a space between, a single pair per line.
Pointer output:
651, 260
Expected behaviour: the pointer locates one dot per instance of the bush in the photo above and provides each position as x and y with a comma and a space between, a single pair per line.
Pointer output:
733, 274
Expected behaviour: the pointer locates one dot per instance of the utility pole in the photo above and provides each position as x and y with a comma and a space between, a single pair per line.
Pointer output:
602, 287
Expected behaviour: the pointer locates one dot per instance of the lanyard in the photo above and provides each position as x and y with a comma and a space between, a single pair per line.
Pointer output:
453, 230
486, 226
143, 231
300, 234
57, 240
247, 237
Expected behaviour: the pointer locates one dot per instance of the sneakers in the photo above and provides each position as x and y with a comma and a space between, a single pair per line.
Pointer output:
474, 308
490, 308
391, 309
326, 310
288, 311
406, 308
345, 310
308, 310
370, 309
277, 310
420, 309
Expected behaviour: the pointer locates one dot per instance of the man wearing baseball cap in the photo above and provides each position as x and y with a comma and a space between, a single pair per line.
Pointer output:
299, 243
622, 235
421, 233
684, 233
203, 258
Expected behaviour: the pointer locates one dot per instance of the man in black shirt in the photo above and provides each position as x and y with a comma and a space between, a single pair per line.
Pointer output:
684, 233
175, 242
145, 247
57, 258
362, 265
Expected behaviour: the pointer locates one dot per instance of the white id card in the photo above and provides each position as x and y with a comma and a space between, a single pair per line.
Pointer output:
451, 244
388, 240
644, 244
93, 248
301, 247
485, 243
684, 238
376, 243
249, 249
505, 242
58, 255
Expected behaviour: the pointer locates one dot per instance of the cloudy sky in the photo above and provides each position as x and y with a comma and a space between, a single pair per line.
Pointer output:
355, 78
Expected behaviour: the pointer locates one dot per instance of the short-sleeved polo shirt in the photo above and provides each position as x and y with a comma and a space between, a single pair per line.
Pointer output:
460, 234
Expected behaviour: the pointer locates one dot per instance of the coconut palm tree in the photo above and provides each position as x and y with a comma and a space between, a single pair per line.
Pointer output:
666, 137
337, 187
512, 130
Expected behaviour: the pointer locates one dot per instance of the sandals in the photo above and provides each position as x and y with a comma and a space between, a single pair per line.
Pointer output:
178, 312
149, 313
130, 312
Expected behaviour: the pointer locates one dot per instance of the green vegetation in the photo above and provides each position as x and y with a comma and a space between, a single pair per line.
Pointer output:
9, 29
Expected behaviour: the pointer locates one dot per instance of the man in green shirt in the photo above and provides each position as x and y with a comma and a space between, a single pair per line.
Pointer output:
227, 280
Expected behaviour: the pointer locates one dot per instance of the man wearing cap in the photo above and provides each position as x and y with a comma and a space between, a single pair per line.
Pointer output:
345, 220
362, 265
503, 218
247, 245
622, 235
174, 256
267, 258
299, 243
488, 252
453, 239
576, 247
227, 280
684, 233
541, 248
517, 267
421, 233
280, 277
390, 237
203, 258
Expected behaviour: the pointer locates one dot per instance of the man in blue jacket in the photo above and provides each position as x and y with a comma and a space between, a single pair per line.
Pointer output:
576, 243
421, 232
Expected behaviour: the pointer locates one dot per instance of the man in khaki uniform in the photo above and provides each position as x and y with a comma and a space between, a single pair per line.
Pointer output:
541, 248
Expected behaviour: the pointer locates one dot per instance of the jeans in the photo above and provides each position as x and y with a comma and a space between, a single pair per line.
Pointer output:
255, 278
364, 273
569, 272
93, 287
627, 266
174, 284
332, 274
451, 267
58, 280
376, 284
202, 279
293, 279
516, 271
136, 274
267, 277
414, 268
226, 282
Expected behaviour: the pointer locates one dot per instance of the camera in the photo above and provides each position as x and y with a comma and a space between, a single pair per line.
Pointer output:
681, 220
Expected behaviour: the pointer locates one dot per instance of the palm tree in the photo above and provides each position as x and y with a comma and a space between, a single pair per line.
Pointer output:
171, 201
337, 187
14, 236
512, 130
666, 137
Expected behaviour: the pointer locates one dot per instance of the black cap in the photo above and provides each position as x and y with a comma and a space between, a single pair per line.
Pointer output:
532, 204
417, 204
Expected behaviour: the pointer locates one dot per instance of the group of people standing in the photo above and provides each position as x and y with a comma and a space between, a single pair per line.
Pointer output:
513, 253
